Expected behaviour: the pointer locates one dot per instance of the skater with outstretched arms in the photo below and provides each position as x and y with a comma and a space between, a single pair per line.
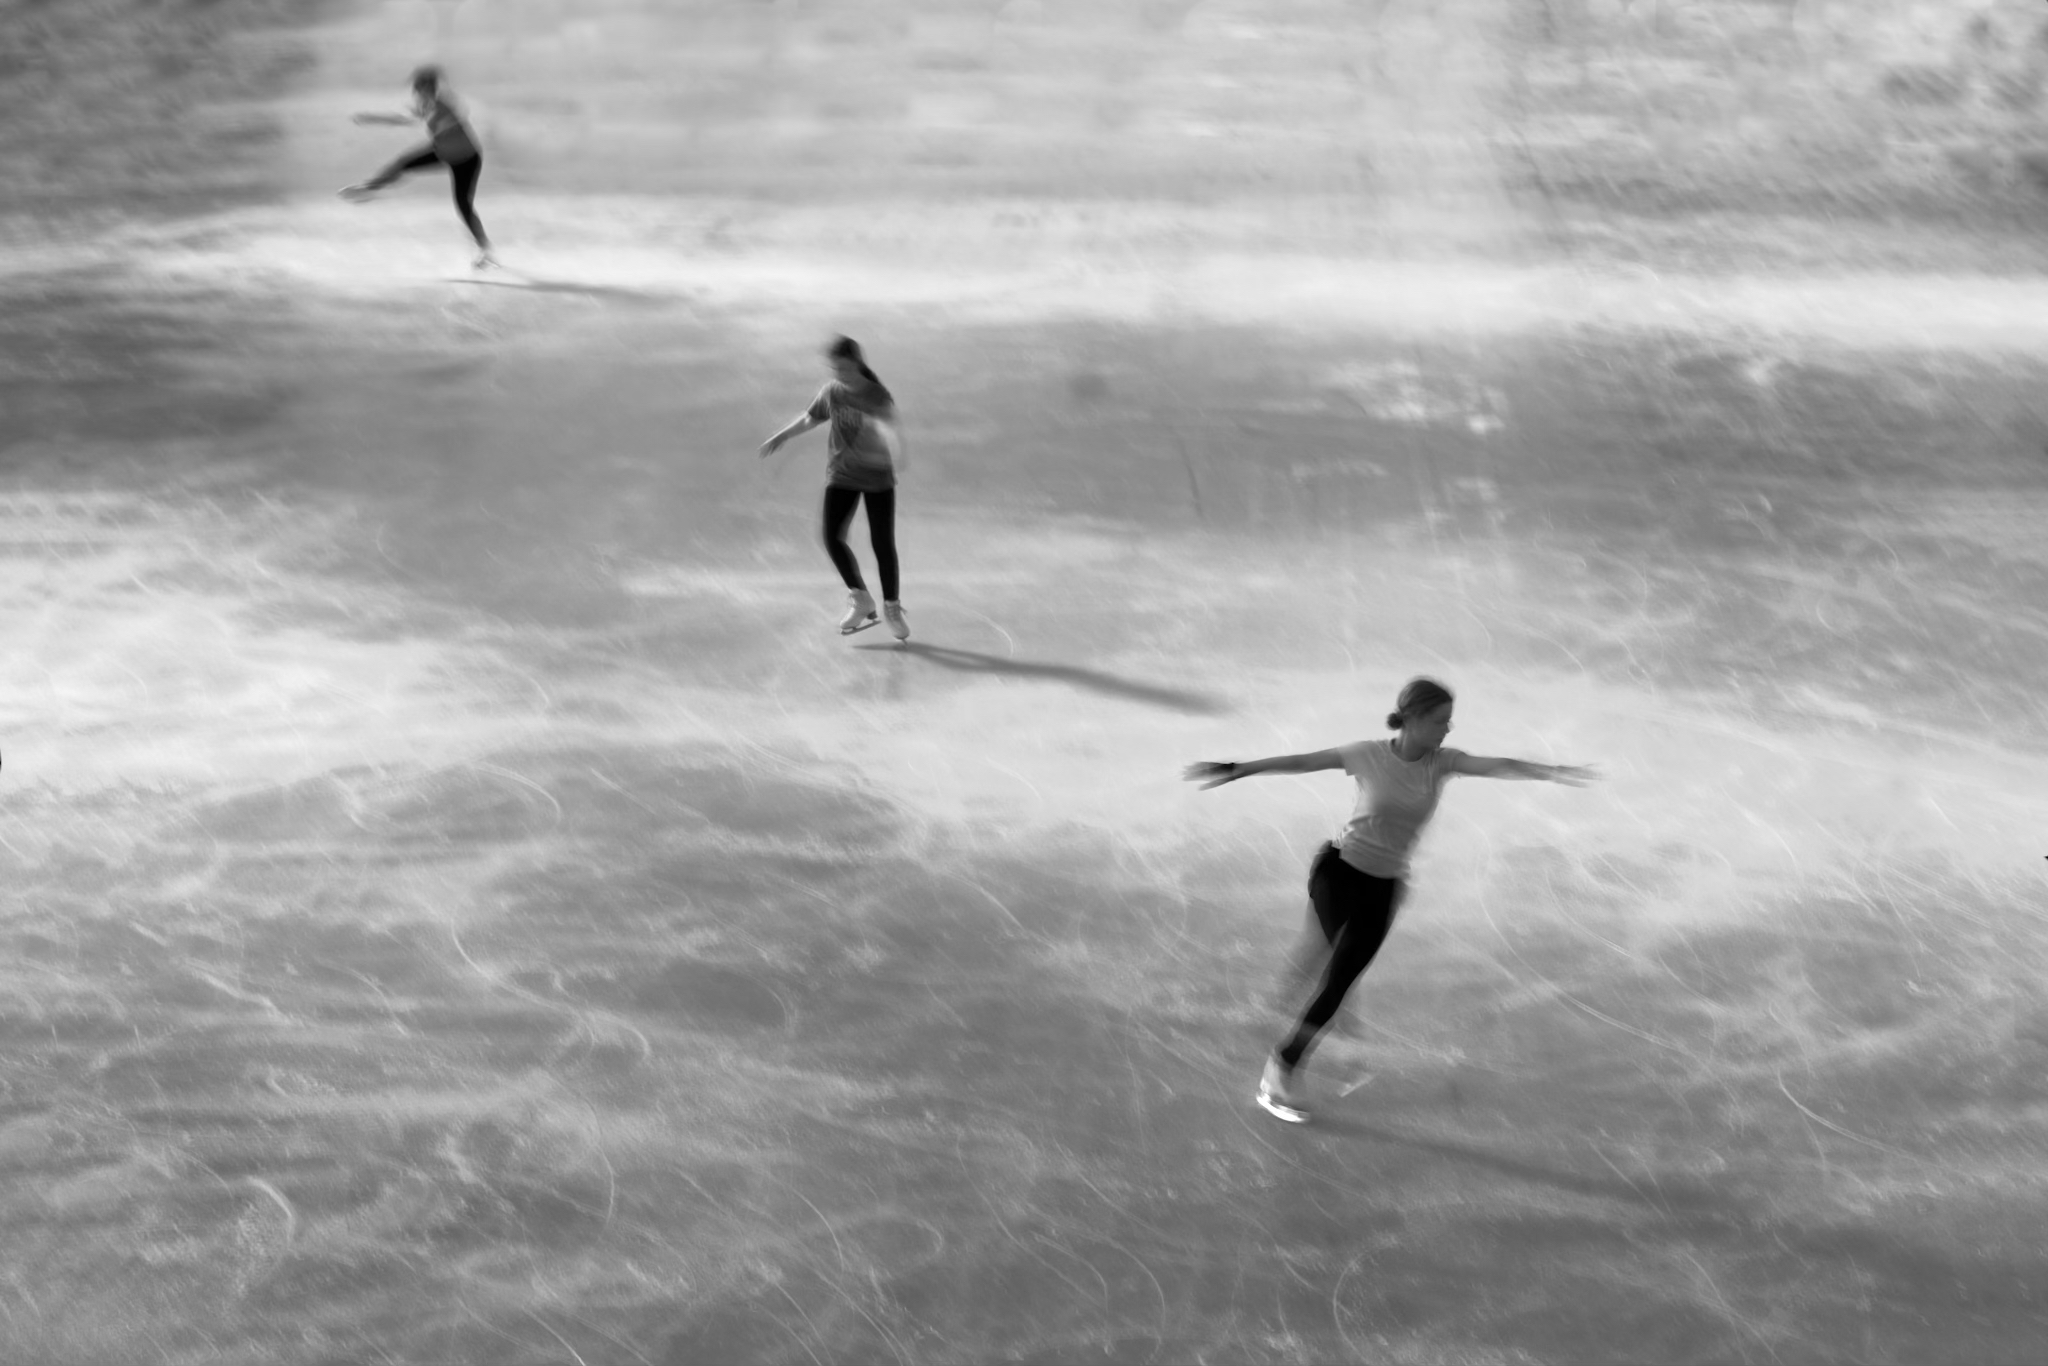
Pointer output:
1356, 882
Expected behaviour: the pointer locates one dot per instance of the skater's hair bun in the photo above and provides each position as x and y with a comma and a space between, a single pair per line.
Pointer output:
1419, 696
423, 76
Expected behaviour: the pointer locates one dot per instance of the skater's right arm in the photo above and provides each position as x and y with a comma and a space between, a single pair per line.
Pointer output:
795, 428
1210, 773
419, 111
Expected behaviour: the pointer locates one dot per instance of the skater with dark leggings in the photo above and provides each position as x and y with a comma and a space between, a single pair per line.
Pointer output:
1356, 882
450, 143
840, 505
864, 451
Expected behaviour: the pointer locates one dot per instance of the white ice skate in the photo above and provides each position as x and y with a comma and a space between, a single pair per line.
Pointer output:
860, 613
898, 627
1276, 1094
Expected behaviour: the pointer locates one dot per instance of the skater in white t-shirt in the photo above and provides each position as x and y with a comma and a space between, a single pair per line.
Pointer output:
1356, 882
864, 454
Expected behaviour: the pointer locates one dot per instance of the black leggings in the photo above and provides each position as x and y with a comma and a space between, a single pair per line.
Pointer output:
839, 506
1354, 910
461, 174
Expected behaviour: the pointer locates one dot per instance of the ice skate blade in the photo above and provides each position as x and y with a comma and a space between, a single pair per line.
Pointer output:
1278, 1110
856, 630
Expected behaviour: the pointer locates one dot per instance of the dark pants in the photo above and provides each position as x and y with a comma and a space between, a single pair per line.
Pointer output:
1354, 910
839, 506
461, 174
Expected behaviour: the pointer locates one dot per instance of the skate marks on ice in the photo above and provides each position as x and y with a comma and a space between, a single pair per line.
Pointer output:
356, 967
365, 955
322, 256
266, 1065
767, 1046
1756, 808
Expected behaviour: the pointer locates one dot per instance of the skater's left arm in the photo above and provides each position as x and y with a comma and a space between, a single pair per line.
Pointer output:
1485, 766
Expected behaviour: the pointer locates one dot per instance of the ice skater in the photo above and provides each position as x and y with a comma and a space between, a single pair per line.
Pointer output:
1356, 882
864, 454
450, 142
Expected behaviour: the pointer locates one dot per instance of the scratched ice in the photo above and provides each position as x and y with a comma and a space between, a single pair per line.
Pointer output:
511, 913
464, 902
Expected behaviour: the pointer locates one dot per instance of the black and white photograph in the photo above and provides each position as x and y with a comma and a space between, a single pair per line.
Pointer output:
1023, 682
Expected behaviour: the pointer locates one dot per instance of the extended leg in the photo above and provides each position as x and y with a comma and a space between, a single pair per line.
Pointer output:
415, 160
839, 506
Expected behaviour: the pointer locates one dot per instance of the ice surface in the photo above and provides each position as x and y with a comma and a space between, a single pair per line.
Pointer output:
464, 893
465, 903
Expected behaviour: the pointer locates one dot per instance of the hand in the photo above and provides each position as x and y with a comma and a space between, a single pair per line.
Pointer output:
770, 446
1571, 775
1211, 774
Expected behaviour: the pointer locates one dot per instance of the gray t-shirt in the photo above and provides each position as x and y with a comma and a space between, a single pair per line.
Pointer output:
452, 140
1396, 798
856, 447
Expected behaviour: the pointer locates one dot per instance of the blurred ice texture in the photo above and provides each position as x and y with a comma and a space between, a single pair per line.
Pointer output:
464, 903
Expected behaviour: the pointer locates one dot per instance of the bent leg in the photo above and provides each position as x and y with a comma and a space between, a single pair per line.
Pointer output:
839, 506
463, 176
1366, 907
882, 535
417, 159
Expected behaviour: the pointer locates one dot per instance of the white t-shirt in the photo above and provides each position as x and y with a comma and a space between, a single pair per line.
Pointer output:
1396, 798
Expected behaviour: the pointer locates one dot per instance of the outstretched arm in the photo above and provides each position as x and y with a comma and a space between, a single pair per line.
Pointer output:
1211, 773
419, 109
796, 428
1482, 766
